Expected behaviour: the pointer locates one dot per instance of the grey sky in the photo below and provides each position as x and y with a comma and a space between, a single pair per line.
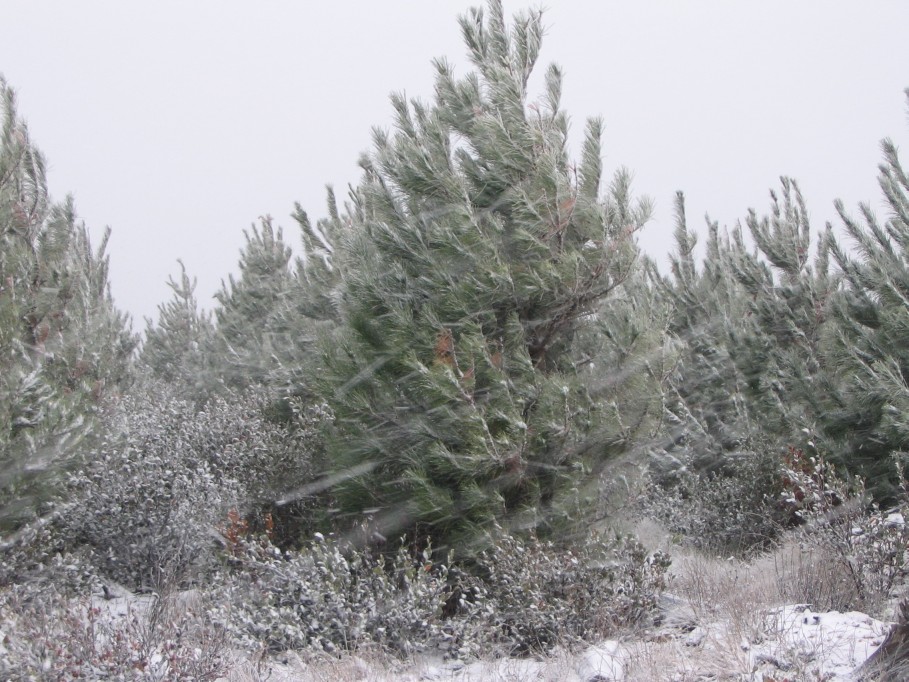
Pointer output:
179, 123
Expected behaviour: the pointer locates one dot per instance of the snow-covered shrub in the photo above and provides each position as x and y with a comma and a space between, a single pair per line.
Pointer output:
868, 545
543, 595
333, 597
40, 563
734, 510
523, 597
46, 634
150, 500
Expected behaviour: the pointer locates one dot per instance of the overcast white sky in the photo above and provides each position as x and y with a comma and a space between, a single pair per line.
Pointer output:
180, 123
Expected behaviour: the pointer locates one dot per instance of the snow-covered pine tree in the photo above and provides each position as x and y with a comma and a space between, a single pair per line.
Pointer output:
318, 271
311, 304
249, 334
745, 335
868, 353
64, 347
174, 348
480, 250
705, 414
748, 328
625, 357
779, 352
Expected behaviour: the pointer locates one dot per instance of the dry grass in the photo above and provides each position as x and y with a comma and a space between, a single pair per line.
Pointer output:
732, 603
807, 574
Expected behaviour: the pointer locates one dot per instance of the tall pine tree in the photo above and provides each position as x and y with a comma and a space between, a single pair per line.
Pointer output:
64, 347
748, 329
471, 255
867, 415
249, 336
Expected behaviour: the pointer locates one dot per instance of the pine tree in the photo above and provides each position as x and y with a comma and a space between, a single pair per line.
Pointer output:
626, 359
310, 306
174, 348
705, 414
318, 272
64, 347
249, 335
779, 353
748, 330
868, 355
471, 255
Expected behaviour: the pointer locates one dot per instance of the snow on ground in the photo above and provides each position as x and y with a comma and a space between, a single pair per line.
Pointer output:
794, 643
780, 644
830, 643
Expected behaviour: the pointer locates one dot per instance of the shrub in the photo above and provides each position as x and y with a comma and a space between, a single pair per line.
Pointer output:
332, 597
48, 635
150, 499
733, 510
523, 597
544, 595
866, 544
853, 553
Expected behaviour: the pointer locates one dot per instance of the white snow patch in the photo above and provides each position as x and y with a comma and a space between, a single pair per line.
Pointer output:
831, 645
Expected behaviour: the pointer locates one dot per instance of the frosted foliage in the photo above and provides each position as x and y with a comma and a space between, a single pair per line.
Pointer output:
151, 498
524, 597
174, 347
472, 257
469, 374
64, 348
736, 510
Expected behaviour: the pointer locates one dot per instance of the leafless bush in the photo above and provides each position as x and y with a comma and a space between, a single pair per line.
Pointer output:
854, 550
813, 573
48, 635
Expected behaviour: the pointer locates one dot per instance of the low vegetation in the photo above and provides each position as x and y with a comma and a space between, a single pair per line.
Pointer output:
422, 438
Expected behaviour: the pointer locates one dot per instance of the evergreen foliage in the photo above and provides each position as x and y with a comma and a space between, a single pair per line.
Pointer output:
157, 492
248, 340
470, 355
625, 359
480, 252
779, 351
174, 348
867, 416
64, 347
311, 305
706, 415
318, 272
782, 363
748, 329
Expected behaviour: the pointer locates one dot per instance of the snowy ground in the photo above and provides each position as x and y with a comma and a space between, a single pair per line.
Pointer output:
793, 644
784, 644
